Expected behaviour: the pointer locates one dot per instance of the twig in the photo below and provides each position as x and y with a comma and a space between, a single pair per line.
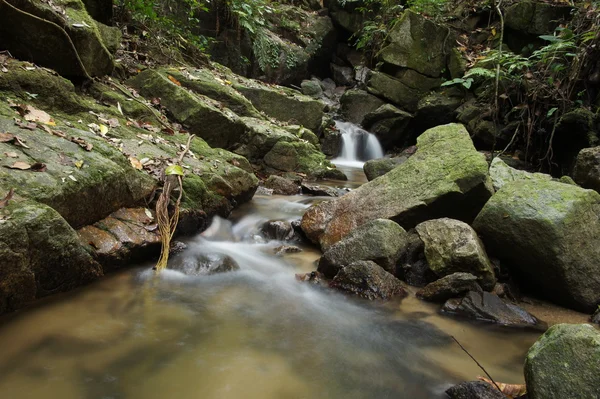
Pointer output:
478, 364
498, 4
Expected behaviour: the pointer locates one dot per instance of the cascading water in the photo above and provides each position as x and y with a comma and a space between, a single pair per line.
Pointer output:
358, 145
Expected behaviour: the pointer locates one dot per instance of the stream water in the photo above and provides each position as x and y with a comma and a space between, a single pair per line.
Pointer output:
358, 146
252, 333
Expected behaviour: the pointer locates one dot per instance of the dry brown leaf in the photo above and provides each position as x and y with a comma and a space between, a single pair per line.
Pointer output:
6, 137
37, 115
11, 154
172, 79
510, 390
28, 126
136, 163
38, 167
82, 143
19, 165
4, 201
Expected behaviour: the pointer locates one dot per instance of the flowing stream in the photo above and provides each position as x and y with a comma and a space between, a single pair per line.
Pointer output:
252, 333
358, 146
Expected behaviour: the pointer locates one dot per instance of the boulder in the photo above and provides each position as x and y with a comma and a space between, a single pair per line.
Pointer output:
474, 390
445, 177
317, 190
302, 157
277, 230
452, 246
389, 124
596, 317
487, 307
311, 88
379, 167
412, 266
437, 108
501, 174
451, 286
29, 28
368, 280
331, 142
342, 75
394, 90
379, 240
587, 168
547, 232
346, 14
575, 131
355, 104
281, 185
564, 363
40, 255
536, 17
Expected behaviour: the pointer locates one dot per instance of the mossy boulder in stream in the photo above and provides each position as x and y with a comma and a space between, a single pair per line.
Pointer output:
301, 157
368, 280
40, 255
548, 233
564, 363
445, 177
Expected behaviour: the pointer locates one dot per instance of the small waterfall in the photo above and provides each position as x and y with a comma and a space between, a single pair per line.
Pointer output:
358, 145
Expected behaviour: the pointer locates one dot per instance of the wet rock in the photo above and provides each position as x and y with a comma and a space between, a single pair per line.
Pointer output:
487, 307
317, 190
379, 240
302, 157
35, 37
445, 177
277, 230
451, 286
596, 317
199, 264
355, 104
40, 255
564, 362
342, 75
453, 246
311, 88
587, 168
331, 142
389, 124
379, 167
501, 174
412, 266
437, 109
474, 390
548, 233
315, 278
281, 185
177, 247
368, 280
286, 249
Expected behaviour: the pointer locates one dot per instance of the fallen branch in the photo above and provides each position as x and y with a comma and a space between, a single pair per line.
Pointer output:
476, 362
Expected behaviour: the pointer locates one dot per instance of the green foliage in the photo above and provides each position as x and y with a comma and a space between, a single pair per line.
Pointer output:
435, 8
250, 15
271, 53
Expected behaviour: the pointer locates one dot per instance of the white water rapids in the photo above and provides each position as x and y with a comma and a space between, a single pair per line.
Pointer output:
358, 146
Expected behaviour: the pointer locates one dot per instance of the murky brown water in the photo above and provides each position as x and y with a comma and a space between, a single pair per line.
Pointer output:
254, 333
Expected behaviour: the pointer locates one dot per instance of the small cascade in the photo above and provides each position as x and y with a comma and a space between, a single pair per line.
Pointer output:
358, 145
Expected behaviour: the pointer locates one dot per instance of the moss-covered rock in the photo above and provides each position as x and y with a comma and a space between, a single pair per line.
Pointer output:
379, 167
394, 90
587, 168
368, 280
40, 255
390, 125
502, 174
355, 104
301, 157
547, 232
536, 17
564, 362
445, 177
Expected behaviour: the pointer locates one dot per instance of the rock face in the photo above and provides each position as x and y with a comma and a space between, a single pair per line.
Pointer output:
451, 286
501, 174
368, 280
548, 233
474, 390
389, 124
453, 246
281, 185
355, 104
564, 362
488, 307
379, 240
40, 255
535, 17
379, 167
445, 177
587, 168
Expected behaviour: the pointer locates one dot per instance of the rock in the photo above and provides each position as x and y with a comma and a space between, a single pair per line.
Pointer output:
379, 167
355, 104
281, 185
331, 142
418, 44
564, 363
445, 177
575, 131
35, 37
342, 75
389, 124
596, 317
202, 264
535, 17
40, 255
453, 246
303, 158
368, 280
379, 240
100, 10
587, 168
286, 249
548, 233
474, 390
412, 266
487, 307
501, 174
346, 15
314, 278
277, 230
394, 90
316, 190
311, 88
451, 286
436, 109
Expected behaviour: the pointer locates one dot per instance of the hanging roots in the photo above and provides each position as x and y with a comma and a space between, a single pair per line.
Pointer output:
167, 225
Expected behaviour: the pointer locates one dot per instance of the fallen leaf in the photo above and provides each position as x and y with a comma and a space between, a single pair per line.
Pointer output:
174, 170
38, 167
37, 115
172, 79
136, 163
72, 178
120, 109
19, 165
20, 143
4, 69
82, 143
149, 213
29, 126
103, 130
113, 122
11, 154
4, 201
79, 164
510, 390
6, 137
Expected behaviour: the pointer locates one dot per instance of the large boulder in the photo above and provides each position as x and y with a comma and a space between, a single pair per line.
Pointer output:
548, 234
501, 174
368, 280
536, 17
453, 246
347, 14
564, 363
63, 37
587, 168
379, 240
445, 177
396, 90
40, 255
301, 157
451, 286
389, 124
355, 104
379, 167
474, 390
282, 186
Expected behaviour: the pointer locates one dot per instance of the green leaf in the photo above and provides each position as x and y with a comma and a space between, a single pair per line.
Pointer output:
551, 111
174, 170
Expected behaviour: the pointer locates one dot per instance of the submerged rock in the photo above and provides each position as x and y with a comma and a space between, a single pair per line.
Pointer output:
453, 246
474, 390
445, 177
195, 264
548, 232
487, 307
277, 230
368, 280
587, 168
379, 240
564, 363
451, 286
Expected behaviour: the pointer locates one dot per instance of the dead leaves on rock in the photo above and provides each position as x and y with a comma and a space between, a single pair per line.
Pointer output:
82, 143
510, 390
11, 138
20, 165
5, 200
